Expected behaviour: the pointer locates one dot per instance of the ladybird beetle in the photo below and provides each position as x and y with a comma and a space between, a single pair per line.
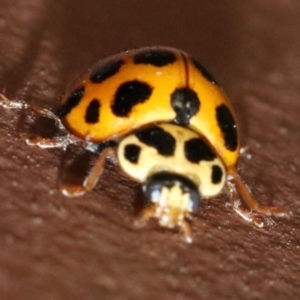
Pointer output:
169, 123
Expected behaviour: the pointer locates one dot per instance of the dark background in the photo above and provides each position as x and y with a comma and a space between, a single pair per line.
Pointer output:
53, 247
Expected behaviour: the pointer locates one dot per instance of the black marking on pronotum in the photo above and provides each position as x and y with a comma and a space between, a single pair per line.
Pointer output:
204, 72
71, 102
159, 139
216, 175
155, 183
197, 149
104, 70
228, 127
186, 104
132, 152
155, 57
92, 112
128, 95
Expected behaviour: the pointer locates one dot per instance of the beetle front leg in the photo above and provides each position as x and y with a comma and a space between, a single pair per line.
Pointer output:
256, 212
72, 190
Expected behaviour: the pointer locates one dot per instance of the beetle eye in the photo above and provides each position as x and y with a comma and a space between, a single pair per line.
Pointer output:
154, 185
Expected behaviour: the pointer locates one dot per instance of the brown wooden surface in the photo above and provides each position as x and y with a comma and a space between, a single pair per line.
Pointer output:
53, 247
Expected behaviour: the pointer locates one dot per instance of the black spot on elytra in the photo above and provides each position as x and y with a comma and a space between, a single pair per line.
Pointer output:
228, 127
197, 149
216, 175
204, 72
186, 104
155, 57
128, 95
105, 70
158, 138
71, 102
92, 112
132, 152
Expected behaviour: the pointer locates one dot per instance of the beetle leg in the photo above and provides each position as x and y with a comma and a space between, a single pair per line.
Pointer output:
56, 142
186, 232
237, 187
19, 104
8, 104
146, 214
72, 190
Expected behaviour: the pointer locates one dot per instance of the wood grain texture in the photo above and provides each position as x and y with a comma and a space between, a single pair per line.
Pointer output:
53, 247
